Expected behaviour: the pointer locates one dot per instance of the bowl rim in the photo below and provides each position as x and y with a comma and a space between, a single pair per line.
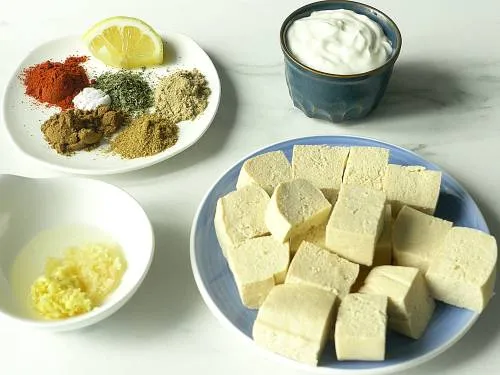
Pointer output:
103, 311
292, 17
290, 363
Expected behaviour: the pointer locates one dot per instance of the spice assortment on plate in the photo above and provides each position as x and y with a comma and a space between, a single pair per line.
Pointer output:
132, 109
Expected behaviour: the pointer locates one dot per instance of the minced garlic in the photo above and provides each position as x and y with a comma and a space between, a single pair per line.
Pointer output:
78, 282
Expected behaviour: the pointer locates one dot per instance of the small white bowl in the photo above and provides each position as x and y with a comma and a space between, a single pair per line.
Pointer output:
40, 218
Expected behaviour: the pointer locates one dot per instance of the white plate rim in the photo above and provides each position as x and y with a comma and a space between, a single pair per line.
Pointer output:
276, 357
148, 162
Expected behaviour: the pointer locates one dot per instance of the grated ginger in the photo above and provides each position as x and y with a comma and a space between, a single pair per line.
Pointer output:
78, 282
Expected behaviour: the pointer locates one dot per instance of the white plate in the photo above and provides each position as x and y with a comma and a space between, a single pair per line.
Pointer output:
24, 116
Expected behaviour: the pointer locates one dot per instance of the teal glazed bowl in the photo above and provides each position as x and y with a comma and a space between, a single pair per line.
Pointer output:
336, 97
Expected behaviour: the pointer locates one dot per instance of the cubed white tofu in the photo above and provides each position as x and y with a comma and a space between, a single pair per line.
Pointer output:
410, 304
463, 274
360, 330
356, 223
295, 207
258, 264
366, 166
318, 267
322, 165
266, 170
383, 250
295, 321
239, 216
417, 238
413, 186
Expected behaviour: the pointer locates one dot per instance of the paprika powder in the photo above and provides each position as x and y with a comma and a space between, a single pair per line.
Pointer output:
56, 83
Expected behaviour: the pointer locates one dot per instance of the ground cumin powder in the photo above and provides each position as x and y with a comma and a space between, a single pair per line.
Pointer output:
182, 95
145, 136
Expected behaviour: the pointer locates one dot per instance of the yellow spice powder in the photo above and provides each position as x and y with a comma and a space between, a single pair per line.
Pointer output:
78, 282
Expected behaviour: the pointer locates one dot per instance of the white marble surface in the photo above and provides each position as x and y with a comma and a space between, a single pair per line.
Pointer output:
443, 102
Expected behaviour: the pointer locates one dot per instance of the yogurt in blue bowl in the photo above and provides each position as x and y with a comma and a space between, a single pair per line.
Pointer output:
339, 57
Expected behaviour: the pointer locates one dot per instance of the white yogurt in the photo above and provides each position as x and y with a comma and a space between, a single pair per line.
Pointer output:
338, 42
90, 98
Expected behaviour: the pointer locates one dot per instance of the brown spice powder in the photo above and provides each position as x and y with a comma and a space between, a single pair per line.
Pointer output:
74, 130
145, 136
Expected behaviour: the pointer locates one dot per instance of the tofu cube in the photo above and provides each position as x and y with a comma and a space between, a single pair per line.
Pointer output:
366, 166
295, 321
266, 170
410, 305
318, 267
417, 238
258, 264
240, 215
360, 330
295, 207
356, 223
413, 186
463, 274
322, 165
383, 250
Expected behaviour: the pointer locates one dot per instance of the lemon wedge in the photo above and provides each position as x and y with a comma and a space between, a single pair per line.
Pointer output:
124, 42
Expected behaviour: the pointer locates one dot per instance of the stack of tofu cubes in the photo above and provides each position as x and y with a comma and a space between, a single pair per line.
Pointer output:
341, 244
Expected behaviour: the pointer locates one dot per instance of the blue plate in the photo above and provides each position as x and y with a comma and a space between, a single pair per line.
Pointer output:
219, 291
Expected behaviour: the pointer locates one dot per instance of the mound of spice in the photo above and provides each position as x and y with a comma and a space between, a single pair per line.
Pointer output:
56, 83
129, 91
146, 135
74, 130
182, 95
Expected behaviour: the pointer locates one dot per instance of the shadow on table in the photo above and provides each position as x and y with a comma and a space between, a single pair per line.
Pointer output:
486, 329
209, 144
167, 296
417, 88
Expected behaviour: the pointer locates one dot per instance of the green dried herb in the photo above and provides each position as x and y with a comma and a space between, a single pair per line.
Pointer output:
129, 91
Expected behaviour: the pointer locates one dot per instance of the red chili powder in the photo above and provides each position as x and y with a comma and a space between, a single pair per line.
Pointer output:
56, 83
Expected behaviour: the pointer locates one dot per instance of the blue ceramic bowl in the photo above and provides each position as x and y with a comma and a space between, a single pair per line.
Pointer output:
338, 97
217, 287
